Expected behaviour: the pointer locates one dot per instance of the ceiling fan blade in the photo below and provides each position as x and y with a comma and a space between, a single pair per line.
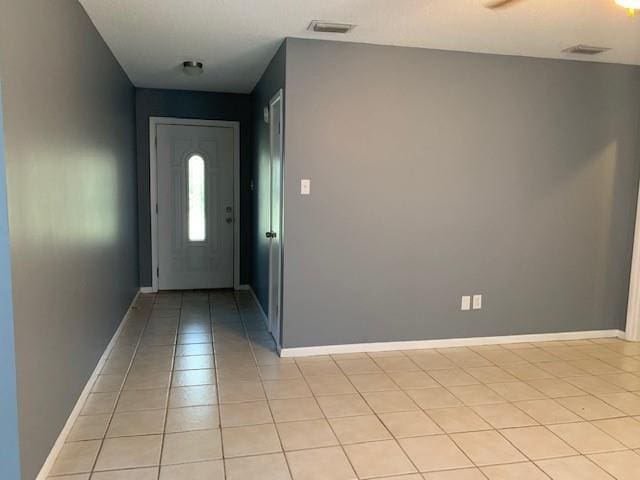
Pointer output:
495, 3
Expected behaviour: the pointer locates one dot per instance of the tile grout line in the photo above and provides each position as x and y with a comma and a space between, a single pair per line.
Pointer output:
255, 359
324, 415
444, 432
512, 403
215, 364
539, 424
393, 438
166, 408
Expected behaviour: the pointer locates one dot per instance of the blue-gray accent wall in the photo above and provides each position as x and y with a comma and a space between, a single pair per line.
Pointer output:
202, 106
9, 439
69, 125
439, 174
272, 80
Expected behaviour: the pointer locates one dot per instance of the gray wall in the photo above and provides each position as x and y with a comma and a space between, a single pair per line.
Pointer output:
200, 105
9, 440
272, 80
71, 181
438, 174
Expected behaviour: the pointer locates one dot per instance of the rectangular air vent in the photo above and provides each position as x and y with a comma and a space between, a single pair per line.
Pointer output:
329, 27
585, 50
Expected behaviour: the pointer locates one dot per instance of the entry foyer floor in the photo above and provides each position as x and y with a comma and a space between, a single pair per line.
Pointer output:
194, 390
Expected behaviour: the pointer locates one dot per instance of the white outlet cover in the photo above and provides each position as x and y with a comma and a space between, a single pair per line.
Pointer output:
465, 304
477, 302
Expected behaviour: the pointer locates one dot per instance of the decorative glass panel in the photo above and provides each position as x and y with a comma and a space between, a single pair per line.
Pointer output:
197, 200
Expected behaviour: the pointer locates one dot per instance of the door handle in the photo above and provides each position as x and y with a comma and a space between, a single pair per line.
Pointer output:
271, 234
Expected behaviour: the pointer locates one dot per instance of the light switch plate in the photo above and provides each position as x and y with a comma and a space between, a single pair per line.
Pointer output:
465, 304
305, 186
477, 302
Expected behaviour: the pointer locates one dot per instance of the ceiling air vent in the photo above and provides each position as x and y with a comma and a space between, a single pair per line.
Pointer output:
585, 50
329, 27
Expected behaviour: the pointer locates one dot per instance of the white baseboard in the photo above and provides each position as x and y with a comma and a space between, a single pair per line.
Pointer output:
444, 343
244, 286
75, 413
146, 290
265, 319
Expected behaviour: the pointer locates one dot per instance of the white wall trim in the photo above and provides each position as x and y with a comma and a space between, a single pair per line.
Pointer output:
153, 188
75, 413
146, 290
444, 343
265, 319
632, 331
244, 287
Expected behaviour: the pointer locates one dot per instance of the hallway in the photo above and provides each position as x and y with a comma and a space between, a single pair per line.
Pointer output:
194, 390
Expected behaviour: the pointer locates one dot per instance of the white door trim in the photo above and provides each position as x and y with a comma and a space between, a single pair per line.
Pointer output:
277, 335
632, 331
153, 188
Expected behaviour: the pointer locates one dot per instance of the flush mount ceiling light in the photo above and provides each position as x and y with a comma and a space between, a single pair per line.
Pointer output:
495, 3
192, 68
329, 27
630, 5
586, 50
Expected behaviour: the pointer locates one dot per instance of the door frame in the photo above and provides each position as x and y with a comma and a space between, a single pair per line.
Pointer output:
632, 329
153, 188
279, 96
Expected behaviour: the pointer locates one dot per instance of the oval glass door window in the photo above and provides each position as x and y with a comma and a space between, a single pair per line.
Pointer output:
197, 200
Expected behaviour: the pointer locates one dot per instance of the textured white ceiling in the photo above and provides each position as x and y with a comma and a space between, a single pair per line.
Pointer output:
236, 38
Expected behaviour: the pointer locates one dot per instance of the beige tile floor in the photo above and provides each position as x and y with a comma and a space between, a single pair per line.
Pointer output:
193, 390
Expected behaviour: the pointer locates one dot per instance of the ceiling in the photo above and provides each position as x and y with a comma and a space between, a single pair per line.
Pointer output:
236, 38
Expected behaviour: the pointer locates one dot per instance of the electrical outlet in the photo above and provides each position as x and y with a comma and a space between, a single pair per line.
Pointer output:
477, 302
465, 304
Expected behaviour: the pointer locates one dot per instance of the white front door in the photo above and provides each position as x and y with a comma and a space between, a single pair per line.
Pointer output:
195, 206
275, 233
